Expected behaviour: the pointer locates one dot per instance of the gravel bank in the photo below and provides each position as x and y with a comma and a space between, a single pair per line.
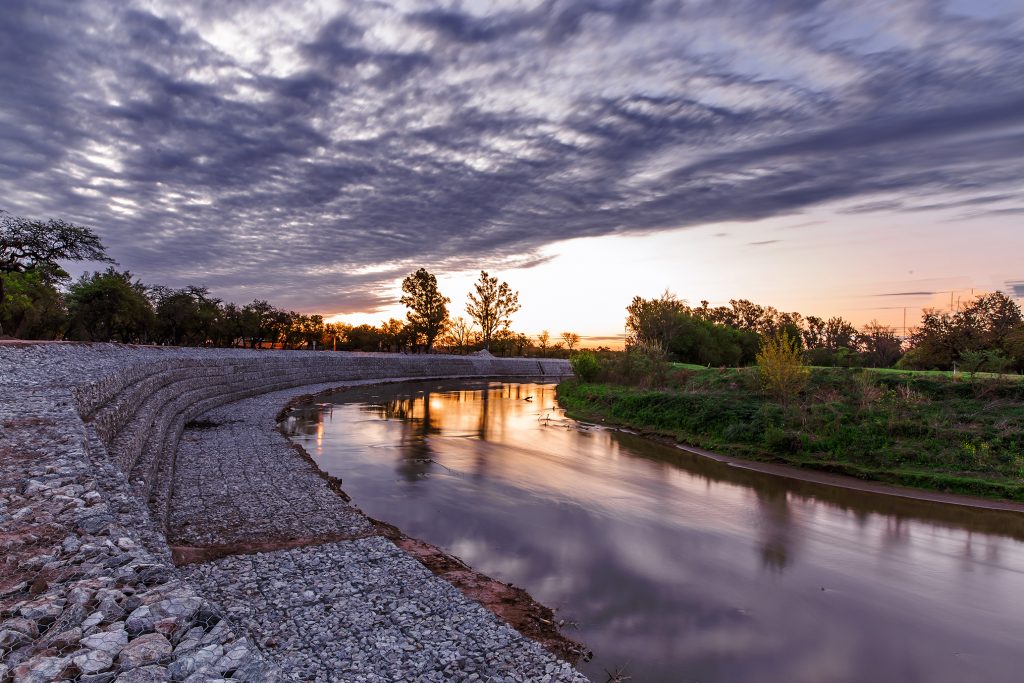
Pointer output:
89, 437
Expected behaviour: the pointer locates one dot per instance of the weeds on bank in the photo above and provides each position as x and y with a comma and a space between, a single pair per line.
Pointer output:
929, 431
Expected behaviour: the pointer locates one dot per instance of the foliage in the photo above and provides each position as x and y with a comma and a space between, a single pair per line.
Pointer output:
916, 429
428, 310
586, 365
644, 365
991, 360
781, 367
109, 305
491, 306
35, 247
32, 306
653, 322
459, 337
184, 316
986, 323
881, 347
570, 339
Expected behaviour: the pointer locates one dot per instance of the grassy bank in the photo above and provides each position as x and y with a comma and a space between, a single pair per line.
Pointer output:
925, 431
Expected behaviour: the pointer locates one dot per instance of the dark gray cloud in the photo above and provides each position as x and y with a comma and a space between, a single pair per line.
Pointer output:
903, 294
271, 150
1016, 288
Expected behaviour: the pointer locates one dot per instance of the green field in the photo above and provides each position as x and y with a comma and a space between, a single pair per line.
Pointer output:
917, 429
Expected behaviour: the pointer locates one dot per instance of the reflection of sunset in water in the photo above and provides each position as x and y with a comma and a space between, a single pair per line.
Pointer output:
686, 568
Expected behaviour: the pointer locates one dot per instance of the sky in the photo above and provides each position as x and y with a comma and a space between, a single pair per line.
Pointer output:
855, 158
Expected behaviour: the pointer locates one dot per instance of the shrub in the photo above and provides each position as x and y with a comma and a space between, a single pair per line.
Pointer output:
781, 367
585, 365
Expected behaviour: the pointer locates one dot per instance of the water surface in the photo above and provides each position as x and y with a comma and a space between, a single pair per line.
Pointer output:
673, 567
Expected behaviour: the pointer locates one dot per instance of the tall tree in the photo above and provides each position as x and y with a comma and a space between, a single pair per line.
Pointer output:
571, 339
110, 306
654, 321
30, 245
491, 306
881, 346
543, 339
428, 308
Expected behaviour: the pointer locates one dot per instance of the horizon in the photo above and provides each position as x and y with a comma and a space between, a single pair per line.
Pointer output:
862, 162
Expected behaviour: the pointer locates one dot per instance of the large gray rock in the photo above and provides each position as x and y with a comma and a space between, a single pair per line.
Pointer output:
148, 649
41, 669
111, 641
93, 661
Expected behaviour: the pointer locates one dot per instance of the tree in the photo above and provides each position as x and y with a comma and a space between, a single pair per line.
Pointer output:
33, 308
1015, 345
362, 338
395, 334
543, 339
428, 310
184, 316
458, 335
586, 366
491, 306
571, 339
31, 245
110, 306
781, 367
833, 334
259, 323
882, 348
653, 322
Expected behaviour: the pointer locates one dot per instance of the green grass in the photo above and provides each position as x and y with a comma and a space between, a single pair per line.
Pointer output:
688, 366
946, 373
916, 429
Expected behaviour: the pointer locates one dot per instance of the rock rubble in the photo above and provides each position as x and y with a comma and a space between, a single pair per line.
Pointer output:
91, 439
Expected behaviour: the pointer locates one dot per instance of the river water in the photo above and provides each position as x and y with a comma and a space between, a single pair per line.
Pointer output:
673, 567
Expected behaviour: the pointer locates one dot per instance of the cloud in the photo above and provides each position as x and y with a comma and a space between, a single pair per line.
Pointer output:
906, 294
1017, 288
763, 243
308, 157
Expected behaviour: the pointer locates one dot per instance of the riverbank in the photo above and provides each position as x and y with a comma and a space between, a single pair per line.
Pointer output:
930, 433
95, 472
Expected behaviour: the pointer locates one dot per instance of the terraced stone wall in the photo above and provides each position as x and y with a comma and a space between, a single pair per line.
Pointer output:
88, 435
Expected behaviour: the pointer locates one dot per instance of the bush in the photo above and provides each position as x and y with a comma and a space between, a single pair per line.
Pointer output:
585, 365
644, 365
781, 366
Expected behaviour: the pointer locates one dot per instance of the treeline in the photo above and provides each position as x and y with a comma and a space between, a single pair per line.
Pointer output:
38, 300
986, 334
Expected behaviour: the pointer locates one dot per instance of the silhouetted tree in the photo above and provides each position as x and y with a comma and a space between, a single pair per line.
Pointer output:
571, 339
184, 316
543, 339
428, 308
491, 306
459, 335
881, 347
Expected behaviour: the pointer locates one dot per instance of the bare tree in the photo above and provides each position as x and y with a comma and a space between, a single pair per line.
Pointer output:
543, 339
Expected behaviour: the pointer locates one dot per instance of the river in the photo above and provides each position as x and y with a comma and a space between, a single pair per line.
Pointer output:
673, 567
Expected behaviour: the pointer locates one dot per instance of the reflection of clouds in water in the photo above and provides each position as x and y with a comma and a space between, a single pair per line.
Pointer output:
678, 564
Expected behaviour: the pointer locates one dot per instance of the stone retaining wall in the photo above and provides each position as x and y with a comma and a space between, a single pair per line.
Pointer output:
88, 435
